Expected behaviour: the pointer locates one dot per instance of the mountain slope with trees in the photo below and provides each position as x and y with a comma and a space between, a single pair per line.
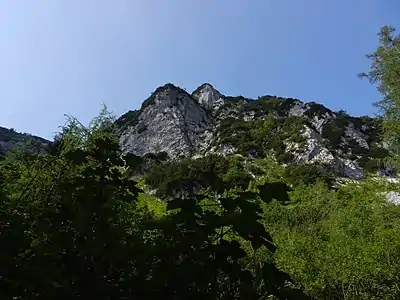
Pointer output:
192, 125
10, 139
214, 210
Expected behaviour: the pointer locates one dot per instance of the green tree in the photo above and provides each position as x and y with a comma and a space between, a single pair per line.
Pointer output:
385, 72
72, 227
339, 243
74, 209
196, 259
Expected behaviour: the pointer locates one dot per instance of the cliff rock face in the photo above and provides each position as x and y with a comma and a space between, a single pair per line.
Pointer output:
208, 97
191, 125
171, 120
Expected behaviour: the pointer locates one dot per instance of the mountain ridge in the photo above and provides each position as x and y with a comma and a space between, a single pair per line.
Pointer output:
206, 121
11, 139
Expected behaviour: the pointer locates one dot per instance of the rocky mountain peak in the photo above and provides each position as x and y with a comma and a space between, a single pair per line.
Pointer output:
208, 97
170, 120
291, 131
167, 91
188, 125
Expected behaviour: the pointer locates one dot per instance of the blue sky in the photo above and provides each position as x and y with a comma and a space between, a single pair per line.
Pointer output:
59, 56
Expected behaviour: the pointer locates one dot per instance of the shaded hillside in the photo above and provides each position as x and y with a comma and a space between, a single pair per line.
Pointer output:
10, 139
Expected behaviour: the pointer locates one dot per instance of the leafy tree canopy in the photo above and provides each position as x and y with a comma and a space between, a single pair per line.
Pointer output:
385, 73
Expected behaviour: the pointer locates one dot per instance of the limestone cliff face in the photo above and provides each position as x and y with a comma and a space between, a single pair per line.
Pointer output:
171, 120
189, 125
208, 97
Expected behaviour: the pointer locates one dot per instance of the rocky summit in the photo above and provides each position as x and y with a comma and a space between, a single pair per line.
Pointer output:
291, 131
183, 125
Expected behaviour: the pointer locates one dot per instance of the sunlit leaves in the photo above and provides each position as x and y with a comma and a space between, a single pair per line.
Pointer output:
385, 73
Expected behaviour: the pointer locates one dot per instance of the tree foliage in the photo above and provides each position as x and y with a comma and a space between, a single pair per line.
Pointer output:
339, 244
262, 137
385, 72
73, 225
